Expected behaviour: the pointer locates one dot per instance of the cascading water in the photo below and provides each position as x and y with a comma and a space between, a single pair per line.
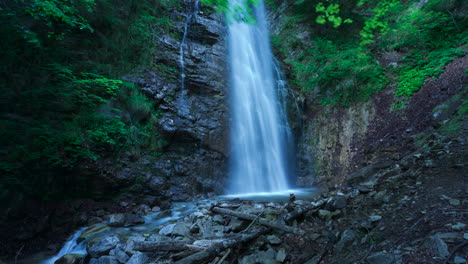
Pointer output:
183, 47
259, 129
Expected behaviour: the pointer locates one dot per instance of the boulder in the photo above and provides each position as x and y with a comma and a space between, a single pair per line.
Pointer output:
138, 258
104, 260
102, 246
381, 258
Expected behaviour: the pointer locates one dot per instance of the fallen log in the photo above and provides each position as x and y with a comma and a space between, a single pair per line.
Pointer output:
259, 220
211, 252
153, 246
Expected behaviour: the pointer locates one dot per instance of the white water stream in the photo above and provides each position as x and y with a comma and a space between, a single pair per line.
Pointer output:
259, 128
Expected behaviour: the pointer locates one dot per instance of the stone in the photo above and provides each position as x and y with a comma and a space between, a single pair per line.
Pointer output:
237, 224
281, 255
167, 230
438, 245
324, 213
381, 258
181, 229
116, 220
119, 254
460, 260
454, 202
465, 236
313, 260
260, 257
347, 239
458, 226
132, 220
339, 202
102, 246
273, 240
219, 219
104, 260
375, 218
138, 258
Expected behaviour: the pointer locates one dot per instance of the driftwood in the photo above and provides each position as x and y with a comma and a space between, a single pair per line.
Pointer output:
260, 220
152, 246
209, 253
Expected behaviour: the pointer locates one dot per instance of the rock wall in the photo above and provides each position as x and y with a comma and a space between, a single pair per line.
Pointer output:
193, 120
338, 142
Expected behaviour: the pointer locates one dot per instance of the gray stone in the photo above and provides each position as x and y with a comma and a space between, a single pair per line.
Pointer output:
281, 255
375, 218
181, 229
347, 239
219, 219
381, 258
237, 224
437, 244
339, 202
103, 246
132, 220
324, 213
260, 257
116, 220
104, 260
119, 254
313, 260
458, 226
274, 240
167, 230
138, 258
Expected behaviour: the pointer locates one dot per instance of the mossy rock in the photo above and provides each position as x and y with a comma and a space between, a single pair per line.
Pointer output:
70, 259
92, 230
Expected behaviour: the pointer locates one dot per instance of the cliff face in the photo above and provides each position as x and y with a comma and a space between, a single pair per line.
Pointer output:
193, 119
334, 142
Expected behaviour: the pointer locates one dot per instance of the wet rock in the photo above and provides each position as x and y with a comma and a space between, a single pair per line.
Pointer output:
460, 260
116, 220
167, 230
381, 258
91, 231
102, 246
70, 259
181, 229
438, 245
104, 260
138, 258
273, 240
132, 220
375, 218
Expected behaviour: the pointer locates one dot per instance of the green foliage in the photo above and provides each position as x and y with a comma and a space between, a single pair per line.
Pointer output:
62, 103
421, 66
341, 63
330, 13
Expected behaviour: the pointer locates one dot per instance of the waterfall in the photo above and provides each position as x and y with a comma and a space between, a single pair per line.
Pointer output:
71, 247
183, 46
259, 128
